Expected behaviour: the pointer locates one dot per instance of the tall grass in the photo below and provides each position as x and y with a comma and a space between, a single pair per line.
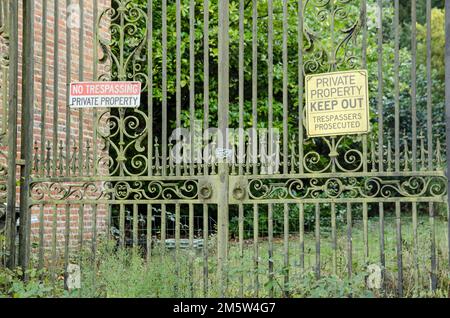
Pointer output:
127, 273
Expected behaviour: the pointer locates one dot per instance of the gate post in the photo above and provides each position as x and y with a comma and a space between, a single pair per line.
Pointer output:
12, 131
26, 149
222, 187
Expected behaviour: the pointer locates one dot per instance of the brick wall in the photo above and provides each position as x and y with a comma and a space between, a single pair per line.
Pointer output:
52, 66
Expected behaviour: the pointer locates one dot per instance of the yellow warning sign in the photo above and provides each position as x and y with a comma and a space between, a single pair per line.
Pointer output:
337, 103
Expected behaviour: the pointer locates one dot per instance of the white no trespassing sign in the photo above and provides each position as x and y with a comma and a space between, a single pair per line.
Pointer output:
105, 94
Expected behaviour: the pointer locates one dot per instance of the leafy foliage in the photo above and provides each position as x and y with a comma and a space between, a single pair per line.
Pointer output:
38, 284
333, 287
437, 42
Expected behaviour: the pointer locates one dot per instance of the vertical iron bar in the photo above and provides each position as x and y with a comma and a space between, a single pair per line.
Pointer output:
382, 244
317, 237
429, 92
149, 232
447, 112
206, 74
54, 242
164, 88
68, 79
94, 243
415, 245
413, 85
366, 232
300, 84
334, 237
122, 225
81, 78
26, 151
271, 261
206, 126
94, 77
41, 238
94, 232
302, 236
44, 82
192, 81
399, 248
241, 144
66, 240
254, 139
223, 99
80, 237
397, 87
135, 225
81, 228
163, 229
205, 250
177, 242
380, 85
241, 249
430, 146
255, 86
270, 137
286, 250
433, 246
380, 123
349, 240
12, 131
150, 85
270, 78
256, 248
332, 62
56, 17
178, 78
285, 89
108, 220
364, 66
191, 250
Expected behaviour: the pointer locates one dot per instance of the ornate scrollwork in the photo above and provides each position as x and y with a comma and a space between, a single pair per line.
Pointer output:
329, 48
156, 190
347, 187
124, 131
124, 138
124, 49
340, 157
59, 191
343, 27
117, 191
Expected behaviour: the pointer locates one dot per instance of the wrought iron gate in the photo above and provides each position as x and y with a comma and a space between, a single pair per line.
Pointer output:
113, 172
